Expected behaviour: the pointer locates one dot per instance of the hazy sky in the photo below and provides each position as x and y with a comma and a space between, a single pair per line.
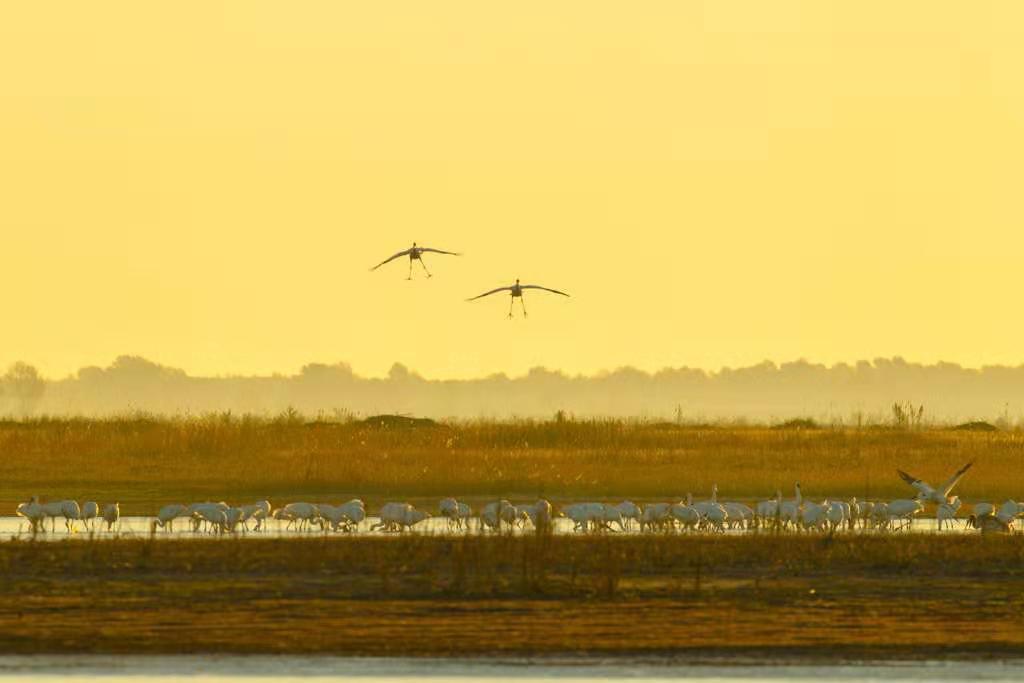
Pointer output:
207, 183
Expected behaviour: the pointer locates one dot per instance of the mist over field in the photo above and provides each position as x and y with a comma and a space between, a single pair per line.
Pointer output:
765, 392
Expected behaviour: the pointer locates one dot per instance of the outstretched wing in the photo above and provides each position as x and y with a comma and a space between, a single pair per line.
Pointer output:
921, 486
391, 258
493, 291
952, 481
546, 289
440, 251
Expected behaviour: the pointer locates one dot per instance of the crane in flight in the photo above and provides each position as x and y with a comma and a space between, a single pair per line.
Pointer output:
517, 292
414, 253
927, 494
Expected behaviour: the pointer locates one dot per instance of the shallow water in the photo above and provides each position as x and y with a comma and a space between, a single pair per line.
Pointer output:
123, 669
17, 527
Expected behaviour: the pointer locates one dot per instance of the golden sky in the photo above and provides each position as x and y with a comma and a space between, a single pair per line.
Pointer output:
207, 183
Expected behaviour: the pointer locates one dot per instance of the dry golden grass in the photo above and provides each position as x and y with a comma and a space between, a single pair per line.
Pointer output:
145, 462
912, 596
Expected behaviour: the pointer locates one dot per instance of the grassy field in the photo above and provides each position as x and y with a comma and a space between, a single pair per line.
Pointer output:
144, 463
766, 596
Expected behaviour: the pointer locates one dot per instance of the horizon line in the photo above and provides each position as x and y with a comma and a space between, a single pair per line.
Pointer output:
399, 368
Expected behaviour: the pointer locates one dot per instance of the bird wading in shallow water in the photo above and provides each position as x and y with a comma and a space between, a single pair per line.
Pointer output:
517, 292
415, 253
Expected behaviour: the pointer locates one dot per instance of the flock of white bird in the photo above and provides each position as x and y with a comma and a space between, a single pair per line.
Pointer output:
70, 511
712, 515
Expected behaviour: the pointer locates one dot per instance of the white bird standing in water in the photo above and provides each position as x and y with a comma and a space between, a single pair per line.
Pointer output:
517, 292
111, 513
33, 512
90, 511
927, 494
414, 253
946, 513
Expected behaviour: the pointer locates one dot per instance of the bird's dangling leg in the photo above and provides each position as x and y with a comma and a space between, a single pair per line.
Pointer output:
410, 269
511, 306
425, 267
522, 300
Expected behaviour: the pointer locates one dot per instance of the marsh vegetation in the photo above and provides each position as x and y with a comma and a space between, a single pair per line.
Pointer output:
145, 462
917, 596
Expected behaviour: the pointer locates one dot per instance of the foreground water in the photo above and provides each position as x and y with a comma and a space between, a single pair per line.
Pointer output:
123, 669
17, 527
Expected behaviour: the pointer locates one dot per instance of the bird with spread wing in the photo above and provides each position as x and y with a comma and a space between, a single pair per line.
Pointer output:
940, 495
517, 293
415, 253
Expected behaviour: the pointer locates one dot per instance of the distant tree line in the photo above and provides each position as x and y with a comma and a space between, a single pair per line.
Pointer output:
890, 391
21, 389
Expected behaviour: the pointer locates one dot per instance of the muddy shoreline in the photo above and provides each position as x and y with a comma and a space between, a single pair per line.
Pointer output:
772, 599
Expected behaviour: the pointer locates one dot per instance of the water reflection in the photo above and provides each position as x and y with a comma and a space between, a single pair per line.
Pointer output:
17, 527
378, 670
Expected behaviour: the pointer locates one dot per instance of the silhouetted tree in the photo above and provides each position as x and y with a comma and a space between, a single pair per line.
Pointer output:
23, 387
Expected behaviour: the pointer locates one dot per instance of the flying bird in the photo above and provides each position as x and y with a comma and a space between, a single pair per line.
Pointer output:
415, 254
928, 494
517, 292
